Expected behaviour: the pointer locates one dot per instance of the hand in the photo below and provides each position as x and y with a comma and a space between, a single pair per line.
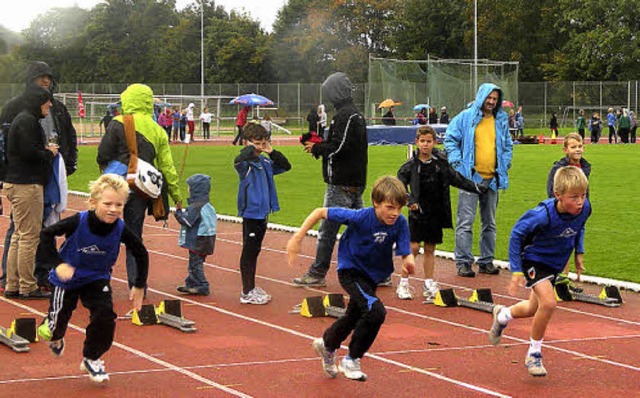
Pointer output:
308, 146
517, 280
409, 265
136, 295
293, 249
267, 148
64, 272
53, 148
413, 207
481, 189
579, 265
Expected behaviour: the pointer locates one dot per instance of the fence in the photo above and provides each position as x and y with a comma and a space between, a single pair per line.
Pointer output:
294, 100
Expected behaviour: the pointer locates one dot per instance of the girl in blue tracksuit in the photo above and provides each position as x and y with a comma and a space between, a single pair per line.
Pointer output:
81, 269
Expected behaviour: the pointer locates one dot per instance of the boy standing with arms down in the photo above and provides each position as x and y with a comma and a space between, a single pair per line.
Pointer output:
257, 198
427, 177
364, 259
541, 242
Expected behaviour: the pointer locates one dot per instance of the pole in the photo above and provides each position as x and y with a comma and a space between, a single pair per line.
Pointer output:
201, 53
475, 45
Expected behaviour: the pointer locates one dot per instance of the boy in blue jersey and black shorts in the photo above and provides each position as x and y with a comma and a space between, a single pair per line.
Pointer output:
365, 258
81, 269
541, 243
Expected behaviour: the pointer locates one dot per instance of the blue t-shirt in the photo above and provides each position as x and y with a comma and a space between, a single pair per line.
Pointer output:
367, 243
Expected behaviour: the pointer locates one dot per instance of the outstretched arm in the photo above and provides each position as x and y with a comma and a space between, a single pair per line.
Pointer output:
293, 246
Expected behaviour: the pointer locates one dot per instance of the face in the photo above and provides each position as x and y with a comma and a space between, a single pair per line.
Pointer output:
387, 212
425, 144
260, 145
574, 150
108, 206
571, 201
43, 81
44, 108
490, 102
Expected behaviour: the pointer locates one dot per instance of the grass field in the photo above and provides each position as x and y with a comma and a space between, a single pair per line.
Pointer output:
614, 188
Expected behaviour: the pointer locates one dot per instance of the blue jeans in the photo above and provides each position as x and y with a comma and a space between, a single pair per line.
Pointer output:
334, 196
467, 203
196, 277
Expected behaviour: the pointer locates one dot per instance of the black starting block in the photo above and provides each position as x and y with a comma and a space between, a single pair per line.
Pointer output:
332, 305
609, 296
168, 312
20, 334
480, 299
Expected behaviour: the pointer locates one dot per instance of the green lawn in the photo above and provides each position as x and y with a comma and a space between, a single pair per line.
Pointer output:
614, 187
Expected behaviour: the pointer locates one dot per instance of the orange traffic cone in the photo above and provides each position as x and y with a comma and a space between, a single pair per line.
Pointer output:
541, 139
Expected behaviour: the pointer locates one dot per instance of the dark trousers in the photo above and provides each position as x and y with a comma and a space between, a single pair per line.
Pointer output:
238, 138
182, 132
612, 133
581, 132
364, 316
252, 235
96, 297
134, 214
623, 132
168, 130
633, 134
205, 130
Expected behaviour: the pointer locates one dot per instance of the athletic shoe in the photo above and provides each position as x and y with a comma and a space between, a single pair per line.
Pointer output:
575, 289
466, 272
310, 280
563, 279
533, 362
57, 347
404, 291
95, 369
262, 293
496, 327
11, 294
35, 295
328, 358
193, 291
429, 290
351, 369
387, 282
489, 269
254, 297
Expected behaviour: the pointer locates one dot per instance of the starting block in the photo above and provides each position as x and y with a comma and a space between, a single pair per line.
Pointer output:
480, 299
20, 334
168, 312
609, 296
332, 305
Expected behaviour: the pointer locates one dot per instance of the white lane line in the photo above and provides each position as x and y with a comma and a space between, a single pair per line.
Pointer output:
141, 354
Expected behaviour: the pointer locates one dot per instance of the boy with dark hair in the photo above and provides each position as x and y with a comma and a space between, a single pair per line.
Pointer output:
364, 259
541, 243
257, 198
427, 177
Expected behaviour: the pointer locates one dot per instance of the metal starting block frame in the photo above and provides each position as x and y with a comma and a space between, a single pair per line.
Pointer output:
609, 296
480, 299
331, 305
20, 334
168, 312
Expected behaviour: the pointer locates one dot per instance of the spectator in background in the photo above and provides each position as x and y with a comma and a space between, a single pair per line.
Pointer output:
313, 119
388, 119
611, 122
183, 125
164, 120
581, 123
624, 126
512, 124
322, 122
520, 123
175, 119
634, 126
444, 116
205, 118
433, 116
191, 125
241, 121
553, 125
267, 124
106, 119
421, 117
595, 126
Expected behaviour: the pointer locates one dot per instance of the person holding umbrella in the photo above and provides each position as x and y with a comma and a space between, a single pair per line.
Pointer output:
388, 119
241, 120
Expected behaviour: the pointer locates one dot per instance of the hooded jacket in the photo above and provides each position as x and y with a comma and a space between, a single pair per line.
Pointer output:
67, 140
459, 141
344, 152
198, 221
584, 166
28, 162
153, 145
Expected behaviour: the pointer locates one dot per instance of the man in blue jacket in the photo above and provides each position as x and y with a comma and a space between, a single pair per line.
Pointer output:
479, 146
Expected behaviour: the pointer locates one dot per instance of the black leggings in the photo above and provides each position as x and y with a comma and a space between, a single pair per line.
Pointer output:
252, 235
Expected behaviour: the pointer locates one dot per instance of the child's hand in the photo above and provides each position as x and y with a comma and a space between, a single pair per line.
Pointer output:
517, 280
293, 249
413, 207
136, 295
267, 148
579, 265
64, 272
409, 265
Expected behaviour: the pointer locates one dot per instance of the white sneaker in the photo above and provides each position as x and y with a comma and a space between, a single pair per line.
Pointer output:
404, 291
351, 369
429, 290
256, 297
95, 369
262, 293
328, 358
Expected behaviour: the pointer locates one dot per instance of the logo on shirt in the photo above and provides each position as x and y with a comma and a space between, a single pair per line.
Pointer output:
93, 249
379, 237
532, 273
568, 233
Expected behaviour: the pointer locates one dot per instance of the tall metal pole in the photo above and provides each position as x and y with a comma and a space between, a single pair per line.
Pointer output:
202, 51
475, 45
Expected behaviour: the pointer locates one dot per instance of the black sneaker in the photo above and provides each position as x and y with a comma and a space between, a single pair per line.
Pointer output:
489, 269
387, 282
192, 290
11, 294
35, 295
57, 347
466, 272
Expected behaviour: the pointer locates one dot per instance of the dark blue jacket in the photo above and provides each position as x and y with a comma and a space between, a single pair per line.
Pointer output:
198, 221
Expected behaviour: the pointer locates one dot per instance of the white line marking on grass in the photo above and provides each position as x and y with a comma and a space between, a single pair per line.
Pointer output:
141, 354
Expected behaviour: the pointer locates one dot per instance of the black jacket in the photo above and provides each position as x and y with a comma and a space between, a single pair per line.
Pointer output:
409, 174
584, 166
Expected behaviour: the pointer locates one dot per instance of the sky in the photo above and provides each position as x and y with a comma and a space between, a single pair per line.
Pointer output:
18, 17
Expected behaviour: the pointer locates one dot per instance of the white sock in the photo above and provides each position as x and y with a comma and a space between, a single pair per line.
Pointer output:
535, 346
504, 316
404, 281
428, 282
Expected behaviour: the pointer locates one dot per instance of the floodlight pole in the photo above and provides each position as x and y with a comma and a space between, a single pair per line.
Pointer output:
202, 52
475, 45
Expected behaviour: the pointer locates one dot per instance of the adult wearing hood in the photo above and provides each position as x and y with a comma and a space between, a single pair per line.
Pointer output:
479, 146
344, 168
28, 168
153, 147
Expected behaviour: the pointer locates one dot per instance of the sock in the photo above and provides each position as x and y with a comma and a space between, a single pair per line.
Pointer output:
404, 281
428, 282
504, 316
536, 346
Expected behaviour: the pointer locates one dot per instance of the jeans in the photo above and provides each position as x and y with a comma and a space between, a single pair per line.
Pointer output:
7, 244
334, 196
196, 277
134, 213
467, 203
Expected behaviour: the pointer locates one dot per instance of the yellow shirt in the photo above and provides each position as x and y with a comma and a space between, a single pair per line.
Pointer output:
485, 141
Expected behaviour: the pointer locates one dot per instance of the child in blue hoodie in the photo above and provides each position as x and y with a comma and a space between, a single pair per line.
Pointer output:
257, 198
197, 233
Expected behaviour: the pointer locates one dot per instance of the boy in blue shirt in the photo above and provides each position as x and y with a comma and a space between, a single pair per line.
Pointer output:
541, 243
197, 233
364, 259
257, 198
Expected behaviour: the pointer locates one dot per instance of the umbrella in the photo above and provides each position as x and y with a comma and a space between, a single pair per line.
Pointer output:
507, 103
388, 103
251, 100
420, 106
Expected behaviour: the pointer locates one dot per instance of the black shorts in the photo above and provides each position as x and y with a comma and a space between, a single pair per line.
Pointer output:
535, 273
425, 231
